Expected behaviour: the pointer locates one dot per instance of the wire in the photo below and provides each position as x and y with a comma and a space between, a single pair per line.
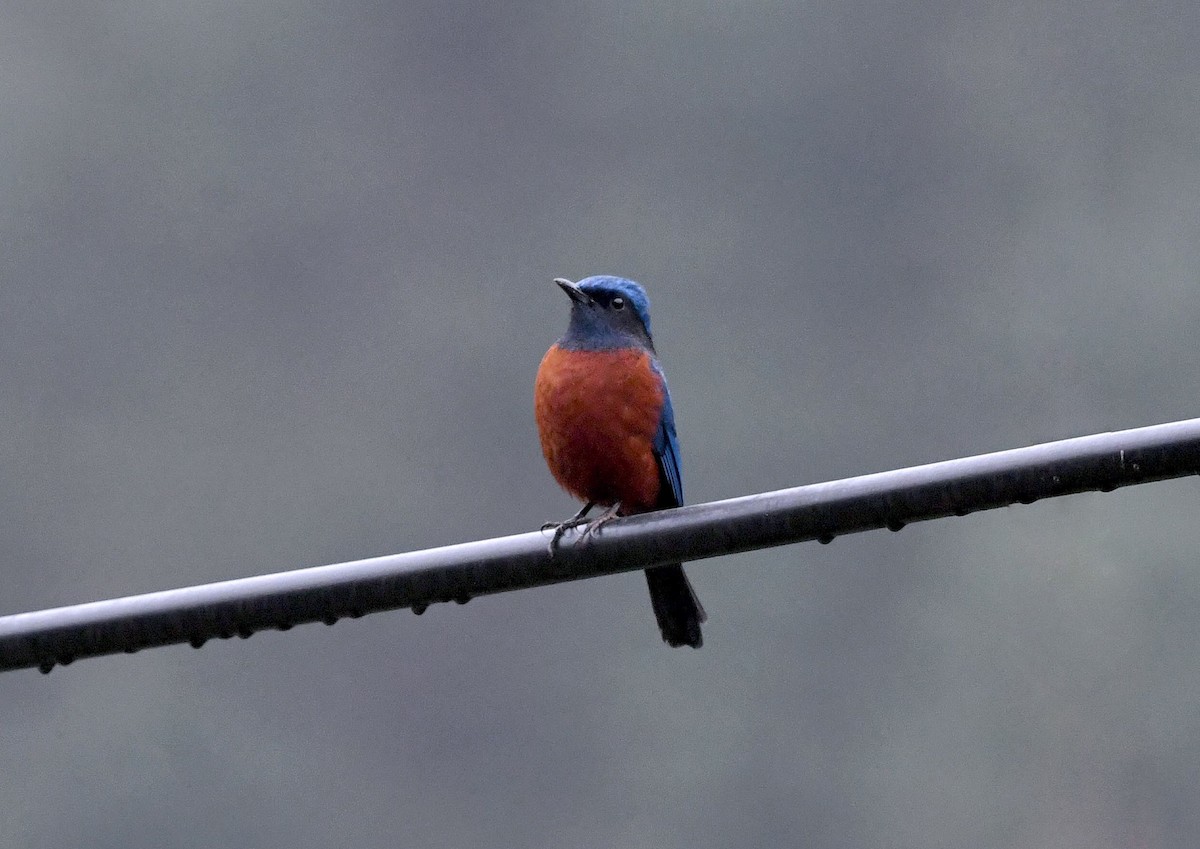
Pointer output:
460, 572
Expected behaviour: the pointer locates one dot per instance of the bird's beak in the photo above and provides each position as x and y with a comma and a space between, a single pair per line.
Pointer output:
573, 292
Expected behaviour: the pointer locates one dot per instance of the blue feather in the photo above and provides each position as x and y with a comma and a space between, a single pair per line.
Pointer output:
631, 291
666, 447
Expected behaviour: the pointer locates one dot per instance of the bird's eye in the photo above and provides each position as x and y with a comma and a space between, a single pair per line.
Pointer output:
618, 303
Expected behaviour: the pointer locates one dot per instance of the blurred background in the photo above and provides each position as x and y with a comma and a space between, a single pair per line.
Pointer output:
275, 279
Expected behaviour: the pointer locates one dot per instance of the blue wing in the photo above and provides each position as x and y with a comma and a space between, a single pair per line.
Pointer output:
666, 450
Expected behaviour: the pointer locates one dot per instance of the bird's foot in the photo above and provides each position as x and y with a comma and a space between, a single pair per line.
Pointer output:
599, 522
561, 528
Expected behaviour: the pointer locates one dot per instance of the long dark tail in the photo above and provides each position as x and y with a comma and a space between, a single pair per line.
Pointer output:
678, 611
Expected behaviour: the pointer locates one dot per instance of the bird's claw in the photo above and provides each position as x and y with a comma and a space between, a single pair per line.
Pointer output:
561, 528
594, 526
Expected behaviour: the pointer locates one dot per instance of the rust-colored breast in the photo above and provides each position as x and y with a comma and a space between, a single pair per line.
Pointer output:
597, 413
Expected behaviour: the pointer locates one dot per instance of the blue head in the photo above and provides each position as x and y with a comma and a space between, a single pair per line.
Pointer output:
607, 312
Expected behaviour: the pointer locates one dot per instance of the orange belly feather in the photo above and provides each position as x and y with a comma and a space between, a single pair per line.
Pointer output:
597, 413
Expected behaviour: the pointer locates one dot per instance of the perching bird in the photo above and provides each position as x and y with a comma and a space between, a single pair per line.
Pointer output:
608, 431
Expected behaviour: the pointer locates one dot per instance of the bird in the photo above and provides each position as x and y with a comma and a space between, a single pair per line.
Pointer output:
607, 430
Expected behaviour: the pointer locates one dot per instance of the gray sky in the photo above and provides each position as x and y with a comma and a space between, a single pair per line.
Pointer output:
274, 284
